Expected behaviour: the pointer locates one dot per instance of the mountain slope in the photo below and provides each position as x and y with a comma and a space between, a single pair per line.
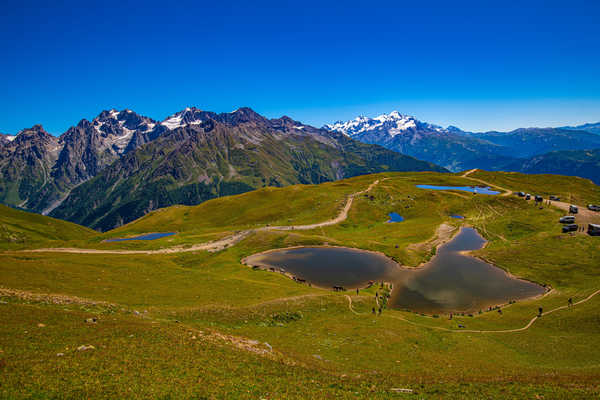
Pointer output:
38, 170
213, 155
20, 229
407, 135
591, 128
459, 150
528, 142
26, 163
582, 163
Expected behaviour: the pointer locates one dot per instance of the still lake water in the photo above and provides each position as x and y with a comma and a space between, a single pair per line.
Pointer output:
148, 236
472, 189
450, 282
395, 217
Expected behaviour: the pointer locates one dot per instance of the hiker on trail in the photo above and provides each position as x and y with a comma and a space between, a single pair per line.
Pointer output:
379, 310
373, 310
450, 315
357, 291
500, 311
570, 302
540, 310
376, 295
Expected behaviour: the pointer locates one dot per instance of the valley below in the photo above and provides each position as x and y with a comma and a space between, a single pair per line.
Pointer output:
170, 317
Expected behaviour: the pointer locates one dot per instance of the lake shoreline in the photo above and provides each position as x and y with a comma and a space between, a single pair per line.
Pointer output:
248, 261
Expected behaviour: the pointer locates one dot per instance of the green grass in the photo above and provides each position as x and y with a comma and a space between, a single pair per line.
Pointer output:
568, 188
21, 229
321, 348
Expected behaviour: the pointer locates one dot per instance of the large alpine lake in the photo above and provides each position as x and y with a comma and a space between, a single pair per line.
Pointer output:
450, 282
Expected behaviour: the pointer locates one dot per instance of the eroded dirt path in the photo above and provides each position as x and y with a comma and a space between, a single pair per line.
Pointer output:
219, 244
505, 192
584, 216
439, 328
443, 234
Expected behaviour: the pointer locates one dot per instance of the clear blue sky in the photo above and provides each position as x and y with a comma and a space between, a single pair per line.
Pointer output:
478, 65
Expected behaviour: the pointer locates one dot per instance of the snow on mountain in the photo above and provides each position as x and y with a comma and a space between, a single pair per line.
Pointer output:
173, 122
391, 124
116, 129
189, 116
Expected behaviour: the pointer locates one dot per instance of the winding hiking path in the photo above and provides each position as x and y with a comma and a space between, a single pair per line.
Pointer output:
219, 244
506, 192
439, 328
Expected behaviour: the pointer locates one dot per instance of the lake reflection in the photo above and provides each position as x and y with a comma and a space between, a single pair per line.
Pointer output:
450, 282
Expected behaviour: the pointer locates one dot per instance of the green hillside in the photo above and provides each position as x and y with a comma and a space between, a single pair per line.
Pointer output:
21, 229
583, 163
196, 163
200, 324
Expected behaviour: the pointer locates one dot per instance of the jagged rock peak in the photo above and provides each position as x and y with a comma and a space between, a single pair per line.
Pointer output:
392, 124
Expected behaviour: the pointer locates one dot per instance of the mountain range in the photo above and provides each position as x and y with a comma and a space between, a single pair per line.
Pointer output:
119, 166
458, 150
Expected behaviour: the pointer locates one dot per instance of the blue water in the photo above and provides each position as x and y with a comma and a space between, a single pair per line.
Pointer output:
148, 236
457, 216
478, 190
395, 217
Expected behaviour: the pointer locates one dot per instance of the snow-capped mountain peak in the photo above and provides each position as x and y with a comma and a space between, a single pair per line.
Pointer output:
188, 116
391, 124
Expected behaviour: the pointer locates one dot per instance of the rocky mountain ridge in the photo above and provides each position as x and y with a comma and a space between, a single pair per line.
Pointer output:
120, 165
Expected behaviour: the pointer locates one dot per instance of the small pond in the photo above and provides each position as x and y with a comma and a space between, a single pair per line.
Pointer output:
148, 236
450, 282
457, 216
395, 217
472, 189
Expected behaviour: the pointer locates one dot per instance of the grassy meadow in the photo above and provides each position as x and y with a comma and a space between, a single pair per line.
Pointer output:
202, 325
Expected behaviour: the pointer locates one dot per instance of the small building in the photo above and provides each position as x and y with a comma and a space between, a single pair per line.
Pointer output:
593, 230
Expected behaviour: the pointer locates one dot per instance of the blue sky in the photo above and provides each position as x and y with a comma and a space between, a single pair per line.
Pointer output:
478, 65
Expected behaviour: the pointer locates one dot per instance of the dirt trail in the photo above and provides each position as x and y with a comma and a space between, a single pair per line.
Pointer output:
584, 216
50, 298
220, 244
443, 234
341, 217
439, 328
506, 192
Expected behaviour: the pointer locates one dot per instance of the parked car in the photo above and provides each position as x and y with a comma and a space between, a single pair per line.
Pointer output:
521, 194
539, 199
573, 209
568, 219
593, 230
527, 196
570, 228
554, 198
593, 207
